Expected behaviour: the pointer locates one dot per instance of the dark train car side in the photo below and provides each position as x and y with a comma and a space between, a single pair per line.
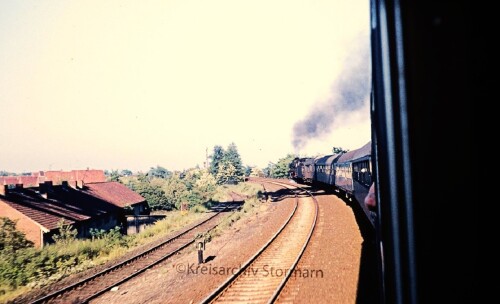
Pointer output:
348, 174
354, 177
302, 170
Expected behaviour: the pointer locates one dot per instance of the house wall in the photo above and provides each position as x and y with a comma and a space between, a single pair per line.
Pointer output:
106, 222
141, 209
136, 224
32, 231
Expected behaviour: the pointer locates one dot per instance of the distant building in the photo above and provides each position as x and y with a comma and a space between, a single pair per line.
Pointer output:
81, 197
119, 195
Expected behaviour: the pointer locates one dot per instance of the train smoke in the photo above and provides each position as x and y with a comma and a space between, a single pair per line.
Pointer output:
349, 93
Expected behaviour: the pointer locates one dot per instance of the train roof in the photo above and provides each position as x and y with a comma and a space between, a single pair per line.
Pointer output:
364, 151
309, 161
326, 160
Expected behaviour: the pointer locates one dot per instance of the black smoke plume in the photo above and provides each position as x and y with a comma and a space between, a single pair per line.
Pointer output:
349, 93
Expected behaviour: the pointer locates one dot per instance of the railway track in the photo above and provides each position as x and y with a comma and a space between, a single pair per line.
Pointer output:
263, 276
93, 286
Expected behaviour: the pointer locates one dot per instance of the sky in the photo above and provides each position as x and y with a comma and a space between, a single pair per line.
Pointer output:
135, 84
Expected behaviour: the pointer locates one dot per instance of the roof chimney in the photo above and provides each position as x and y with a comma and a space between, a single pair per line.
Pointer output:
44, 188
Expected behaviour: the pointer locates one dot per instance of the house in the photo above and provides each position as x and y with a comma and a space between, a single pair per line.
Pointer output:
38, 211
81, 197
118, 195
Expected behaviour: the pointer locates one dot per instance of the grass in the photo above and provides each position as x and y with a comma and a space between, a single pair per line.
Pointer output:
249, 208
246, 189
34, 268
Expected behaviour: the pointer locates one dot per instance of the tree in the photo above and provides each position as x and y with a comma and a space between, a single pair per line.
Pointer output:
114, 176
206, 186
175, 190
159, 172
151, 190
233, 157
248, 170
256, 172
337, 150
216, 159
66, 233
281, 168
126, 172
11, 239
226, 174
6, 173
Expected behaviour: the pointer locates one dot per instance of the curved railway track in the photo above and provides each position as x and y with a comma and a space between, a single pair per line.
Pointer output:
91, 287
263, 276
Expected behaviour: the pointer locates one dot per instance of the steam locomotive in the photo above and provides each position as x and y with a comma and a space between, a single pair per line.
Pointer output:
349, 174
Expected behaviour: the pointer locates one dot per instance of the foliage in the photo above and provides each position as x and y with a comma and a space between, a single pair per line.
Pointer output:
152, 192
175, 190
195, 186
281, 168
158, 172
226, 174
11, 239
247, 170
113, 176
216, 159
126, 172
226, 165
6, 173
205, 186
337, 150
97, 233
256, 172
66, 233
233, 157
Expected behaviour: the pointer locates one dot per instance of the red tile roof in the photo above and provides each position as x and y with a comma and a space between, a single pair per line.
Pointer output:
63, 202
114, 192
87, 176
47, 213
56, 177
27, 181
9, 180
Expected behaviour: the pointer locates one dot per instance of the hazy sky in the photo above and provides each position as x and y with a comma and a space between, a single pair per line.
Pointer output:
134, 84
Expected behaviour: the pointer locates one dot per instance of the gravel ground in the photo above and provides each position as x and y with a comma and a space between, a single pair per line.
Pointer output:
329, 268
179, 281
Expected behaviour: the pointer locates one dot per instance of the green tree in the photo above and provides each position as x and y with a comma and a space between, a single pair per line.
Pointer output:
66, 233
126, 172
11, 239
233, 157
205, 186
256, 172
6, 173
281, 168
227, 174
216, 159
152, 191
159, 172
337, 150
175, 190
114, 176
247, 170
